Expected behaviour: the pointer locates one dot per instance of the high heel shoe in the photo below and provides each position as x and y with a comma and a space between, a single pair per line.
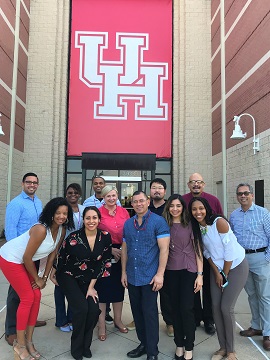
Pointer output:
123, 330
35, 353
102, 337
19, 351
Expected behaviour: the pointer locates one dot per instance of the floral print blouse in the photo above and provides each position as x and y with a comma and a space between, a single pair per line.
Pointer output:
76, 258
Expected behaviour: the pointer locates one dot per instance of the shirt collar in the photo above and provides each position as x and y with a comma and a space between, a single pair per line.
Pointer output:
144, 216
252, 208
25, 196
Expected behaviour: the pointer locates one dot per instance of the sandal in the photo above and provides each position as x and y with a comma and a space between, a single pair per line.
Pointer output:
19, 351
34, 353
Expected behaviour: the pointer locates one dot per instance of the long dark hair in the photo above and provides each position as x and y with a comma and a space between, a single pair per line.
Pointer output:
210, 217
46, 217
184, 217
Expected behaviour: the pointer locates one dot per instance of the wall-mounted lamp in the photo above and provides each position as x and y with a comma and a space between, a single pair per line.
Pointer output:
239, 135
1, 130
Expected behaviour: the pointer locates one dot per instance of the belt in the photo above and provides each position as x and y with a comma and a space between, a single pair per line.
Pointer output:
251, 251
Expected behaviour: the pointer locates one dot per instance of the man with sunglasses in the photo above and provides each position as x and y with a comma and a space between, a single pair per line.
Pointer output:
251, 225
203, 310
22, 212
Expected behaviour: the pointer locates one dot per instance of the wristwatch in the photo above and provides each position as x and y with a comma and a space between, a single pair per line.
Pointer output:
200, 273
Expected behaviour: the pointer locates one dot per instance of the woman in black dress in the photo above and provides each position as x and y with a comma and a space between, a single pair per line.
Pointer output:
85, 256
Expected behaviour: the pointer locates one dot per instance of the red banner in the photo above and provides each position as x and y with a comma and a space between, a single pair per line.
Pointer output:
120, 94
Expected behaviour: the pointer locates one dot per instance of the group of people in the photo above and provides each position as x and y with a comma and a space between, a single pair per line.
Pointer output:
181, 248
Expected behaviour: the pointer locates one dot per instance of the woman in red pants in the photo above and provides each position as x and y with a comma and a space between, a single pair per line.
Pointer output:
17, 258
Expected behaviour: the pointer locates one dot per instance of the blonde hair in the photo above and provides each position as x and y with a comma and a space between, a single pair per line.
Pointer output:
107, 189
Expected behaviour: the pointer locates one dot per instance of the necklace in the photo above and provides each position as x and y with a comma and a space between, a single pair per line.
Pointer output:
174, 231
203, 229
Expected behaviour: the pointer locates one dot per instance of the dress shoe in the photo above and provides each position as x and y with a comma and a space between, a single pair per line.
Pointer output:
178, 357
266, 343
10, 338
138, 352
219, 354
87, 353
40, 323
123, 330
152, 357
209, 328
250, 332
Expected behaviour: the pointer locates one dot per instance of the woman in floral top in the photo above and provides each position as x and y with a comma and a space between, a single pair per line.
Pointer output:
85, 256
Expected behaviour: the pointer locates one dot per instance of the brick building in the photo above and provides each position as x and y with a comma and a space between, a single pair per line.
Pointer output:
34, 93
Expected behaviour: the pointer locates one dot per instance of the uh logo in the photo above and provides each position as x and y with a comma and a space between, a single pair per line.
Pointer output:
130, 78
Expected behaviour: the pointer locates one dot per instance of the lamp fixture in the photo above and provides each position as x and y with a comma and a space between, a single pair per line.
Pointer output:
239, 135
1, 130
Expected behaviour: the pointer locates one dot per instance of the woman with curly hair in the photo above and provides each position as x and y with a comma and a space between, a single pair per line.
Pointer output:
17, 258
229, 270
183, 275
84, 257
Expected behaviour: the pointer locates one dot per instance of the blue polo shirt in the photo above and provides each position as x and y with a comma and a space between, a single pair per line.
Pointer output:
142, 247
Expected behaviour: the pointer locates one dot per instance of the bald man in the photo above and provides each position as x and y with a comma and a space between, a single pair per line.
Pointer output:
196, 186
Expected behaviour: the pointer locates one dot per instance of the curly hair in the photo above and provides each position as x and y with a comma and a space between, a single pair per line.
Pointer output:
47, 215
184, 217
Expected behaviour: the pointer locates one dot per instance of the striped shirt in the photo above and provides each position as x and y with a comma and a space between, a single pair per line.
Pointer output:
252, 228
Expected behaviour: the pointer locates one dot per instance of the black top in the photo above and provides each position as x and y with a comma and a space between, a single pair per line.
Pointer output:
155, 210
76, 258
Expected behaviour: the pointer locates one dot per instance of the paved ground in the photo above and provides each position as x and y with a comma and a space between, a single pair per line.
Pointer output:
54, 344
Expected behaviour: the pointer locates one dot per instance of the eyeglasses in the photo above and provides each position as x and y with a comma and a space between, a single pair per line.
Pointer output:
72, 193
157, 188
141, 201
240, 193
193, 182
27, 182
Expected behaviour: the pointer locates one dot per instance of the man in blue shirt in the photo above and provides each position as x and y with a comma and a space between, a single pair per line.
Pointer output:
251, 225
21, 213
144, 257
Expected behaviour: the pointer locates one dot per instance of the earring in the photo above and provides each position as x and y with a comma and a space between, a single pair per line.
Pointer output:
52, 217
66, 222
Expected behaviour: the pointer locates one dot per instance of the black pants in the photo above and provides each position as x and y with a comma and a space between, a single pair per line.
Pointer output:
203, 312
181, 289
165, 304
85, 313
143, 302
13, 302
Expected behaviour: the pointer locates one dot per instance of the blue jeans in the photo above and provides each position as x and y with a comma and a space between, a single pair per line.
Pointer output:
258, 290
63, 317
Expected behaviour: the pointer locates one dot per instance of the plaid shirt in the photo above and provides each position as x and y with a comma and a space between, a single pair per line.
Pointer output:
252, 228
142, 247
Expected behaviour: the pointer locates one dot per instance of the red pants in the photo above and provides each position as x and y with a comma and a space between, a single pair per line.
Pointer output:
20, 280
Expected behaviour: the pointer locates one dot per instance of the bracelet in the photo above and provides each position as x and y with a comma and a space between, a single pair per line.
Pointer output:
45, 278
200, 273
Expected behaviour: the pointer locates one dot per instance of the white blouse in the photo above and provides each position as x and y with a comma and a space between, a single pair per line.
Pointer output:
14, 249
222, 247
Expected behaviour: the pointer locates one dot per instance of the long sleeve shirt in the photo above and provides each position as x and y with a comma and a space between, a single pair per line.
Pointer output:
21, 213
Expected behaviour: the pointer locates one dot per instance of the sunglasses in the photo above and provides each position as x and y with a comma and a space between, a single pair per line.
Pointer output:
240, 193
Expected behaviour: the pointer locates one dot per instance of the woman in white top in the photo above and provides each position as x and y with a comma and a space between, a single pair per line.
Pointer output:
17, 258
229, 270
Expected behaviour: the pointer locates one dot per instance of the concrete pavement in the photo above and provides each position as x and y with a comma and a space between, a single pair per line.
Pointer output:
54, 344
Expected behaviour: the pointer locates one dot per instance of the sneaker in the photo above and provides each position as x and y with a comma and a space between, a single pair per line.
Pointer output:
65, 328
71, 326
170, 331
131, 326
108, 319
